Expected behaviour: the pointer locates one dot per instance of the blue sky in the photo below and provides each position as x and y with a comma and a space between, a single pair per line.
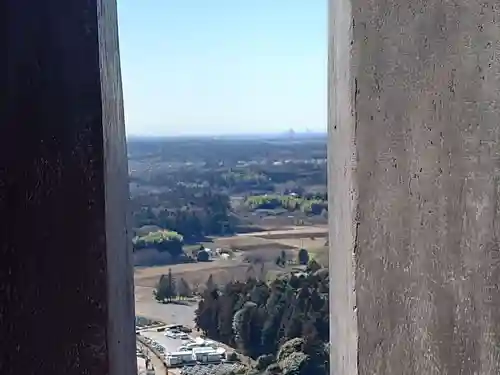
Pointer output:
194, 67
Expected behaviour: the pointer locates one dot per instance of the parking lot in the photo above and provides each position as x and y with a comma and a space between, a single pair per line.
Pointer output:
164, 344
167, 344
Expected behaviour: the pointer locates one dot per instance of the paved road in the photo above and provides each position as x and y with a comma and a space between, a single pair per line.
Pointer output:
157, 362
159, 366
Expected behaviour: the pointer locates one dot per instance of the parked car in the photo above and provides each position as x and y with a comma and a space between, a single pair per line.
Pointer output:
172, 333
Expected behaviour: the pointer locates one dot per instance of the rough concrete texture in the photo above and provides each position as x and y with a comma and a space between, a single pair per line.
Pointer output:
414, 187
66, 286
342, 193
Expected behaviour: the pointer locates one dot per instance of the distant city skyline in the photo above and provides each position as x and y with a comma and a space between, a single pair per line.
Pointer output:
241, 135
223, 67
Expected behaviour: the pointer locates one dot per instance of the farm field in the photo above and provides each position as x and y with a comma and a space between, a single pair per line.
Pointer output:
254, 255
266, 246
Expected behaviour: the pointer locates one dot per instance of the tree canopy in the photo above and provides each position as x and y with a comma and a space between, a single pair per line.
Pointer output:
165, 288
313, 206
183, 288
260, 319
202, 256
303, 257
162, 240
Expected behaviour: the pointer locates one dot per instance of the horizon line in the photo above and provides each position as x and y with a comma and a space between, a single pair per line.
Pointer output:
225, 135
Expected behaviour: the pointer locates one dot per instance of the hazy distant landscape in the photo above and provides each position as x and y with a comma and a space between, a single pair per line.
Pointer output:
234, 215
203, 188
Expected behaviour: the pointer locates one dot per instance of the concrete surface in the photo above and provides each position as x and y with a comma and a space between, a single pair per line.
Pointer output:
414, 187
64, 269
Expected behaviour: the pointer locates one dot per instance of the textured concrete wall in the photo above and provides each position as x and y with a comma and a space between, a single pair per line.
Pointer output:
66, 283
414, 186
342, 193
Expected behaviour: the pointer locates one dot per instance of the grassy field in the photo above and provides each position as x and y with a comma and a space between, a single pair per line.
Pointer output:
302, 243
221, 270
239, 243
254, 255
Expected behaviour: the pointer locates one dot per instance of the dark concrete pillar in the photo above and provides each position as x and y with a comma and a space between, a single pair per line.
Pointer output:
66, 287
415, 187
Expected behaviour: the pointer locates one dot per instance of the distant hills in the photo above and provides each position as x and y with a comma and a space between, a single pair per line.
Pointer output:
239, 137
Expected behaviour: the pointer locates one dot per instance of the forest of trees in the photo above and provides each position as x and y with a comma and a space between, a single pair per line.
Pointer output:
285, 323
310, 205
191, 215
188, 185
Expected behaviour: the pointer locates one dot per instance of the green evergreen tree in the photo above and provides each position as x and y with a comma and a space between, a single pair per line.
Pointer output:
170, 291
303, 257
183, 288
210, 285
259, 319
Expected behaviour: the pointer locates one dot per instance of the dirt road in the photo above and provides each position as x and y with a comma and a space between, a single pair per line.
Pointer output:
289, 232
